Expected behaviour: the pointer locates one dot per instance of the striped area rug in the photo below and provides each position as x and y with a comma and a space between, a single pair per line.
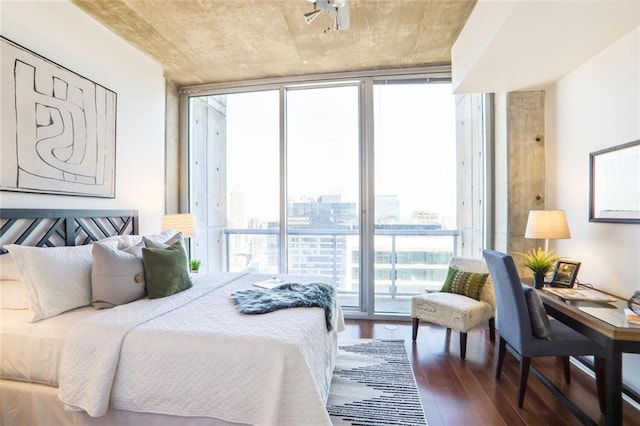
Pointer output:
373, 384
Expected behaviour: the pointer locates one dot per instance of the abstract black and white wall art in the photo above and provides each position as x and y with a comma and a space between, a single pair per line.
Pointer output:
58, 129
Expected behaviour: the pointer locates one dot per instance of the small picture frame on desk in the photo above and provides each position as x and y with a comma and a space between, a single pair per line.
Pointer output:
565, 273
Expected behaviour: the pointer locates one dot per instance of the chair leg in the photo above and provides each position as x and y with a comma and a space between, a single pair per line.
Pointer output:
567, 369
502, 349
525, 363
492, 329
601, 383
463, 345
447, 341
416, 321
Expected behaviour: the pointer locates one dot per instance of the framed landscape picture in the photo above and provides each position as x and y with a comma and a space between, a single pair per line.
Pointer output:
58, 128
614, 188
565, 273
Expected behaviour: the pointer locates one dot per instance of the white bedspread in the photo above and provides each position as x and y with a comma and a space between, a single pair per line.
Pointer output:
194, 354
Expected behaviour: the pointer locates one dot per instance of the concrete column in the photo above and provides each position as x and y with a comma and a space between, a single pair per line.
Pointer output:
208, 162
172, 149
471, 174
519, 162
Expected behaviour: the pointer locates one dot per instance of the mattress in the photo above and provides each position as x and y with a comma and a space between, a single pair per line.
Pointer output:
31, 352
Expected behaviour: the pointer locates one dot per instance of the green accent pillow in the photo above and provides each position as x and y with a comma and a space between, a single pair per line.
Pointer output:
165, 270
465, 283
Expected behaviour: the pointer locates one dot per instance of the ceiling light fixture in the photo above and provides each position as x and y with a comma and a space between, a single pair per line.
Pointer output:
309, 17
337, 10
336, 22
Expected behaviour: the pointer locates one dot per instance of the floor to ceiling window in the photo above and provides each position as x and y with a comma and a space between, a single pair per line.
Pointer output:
323, 185
234, 180
253, 181
415, 189
351, 181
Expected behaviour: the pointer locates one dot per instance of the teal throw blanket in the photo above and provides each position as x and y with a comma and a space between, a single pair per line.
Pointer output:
289, 295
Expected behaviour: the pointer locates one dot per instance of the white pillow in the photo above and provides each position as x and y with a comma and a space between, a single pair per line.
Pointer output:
160, 238
155, 241
8, 269
13, 295
58, 279
117, 276
124, 241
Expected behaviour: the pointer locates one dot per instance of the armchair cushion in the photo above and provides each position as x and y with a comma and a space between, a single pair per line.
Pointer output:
451, 310
540, 326
465, 283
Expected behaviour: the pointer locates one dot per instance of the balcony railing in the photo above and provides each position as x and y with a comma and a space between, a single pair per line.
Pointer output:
335, 254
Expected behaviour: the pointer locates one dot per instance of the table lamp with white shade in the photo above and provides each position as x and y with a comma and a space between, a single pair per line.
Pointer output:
180, 222
544, 224
184, 223
547, 224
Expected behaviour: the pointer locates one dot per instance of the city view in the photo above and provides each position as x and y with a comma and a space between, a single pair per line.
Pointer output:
326, 167
410, 256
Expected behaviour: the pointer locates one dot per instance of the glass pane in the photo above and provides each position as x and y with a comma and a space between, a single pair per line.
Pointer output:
323, 186
415, 190
253, 188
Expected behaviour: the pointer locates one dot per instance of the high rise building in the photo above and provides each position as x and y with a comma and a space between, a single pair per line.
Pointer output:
236, 218
387, 209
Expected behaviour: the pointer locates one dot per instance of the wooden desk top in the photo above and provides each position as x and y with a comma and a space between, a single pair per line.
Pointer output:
607, 318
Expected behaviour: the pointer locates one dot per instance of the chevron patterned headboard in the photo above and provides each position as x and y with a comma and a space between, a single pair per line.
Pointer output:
55, 228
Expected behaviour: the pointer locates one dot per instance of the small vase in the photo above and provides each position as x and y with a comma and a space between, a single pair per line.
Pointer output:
538, 279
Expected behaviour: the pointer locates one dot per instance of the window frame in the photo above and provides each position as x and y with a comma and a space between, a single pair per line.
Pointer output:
366, 81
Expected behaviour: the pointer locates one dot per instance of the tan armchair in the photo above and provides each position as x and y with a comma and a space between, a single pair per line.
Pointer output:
455, 311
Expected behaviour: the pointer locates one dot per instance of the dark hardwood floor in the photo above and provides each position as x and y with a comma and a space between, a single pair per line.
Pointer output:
456, 392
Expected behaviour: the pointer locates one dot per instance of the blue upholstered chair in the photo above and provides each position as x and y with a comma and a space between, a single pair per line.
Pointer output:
519, 318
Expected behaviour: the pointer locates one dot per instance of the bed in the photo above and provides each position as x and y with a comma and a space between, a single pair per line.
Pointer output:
188, 358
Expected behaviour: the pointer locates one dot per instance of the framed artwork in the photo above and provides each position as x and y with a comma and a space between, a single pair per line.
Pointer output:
565, 273
58, 129
614, 192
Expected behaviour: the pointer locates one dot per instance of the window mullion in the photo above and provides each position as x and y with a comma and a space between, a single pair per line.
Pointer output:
284, 239
367, 261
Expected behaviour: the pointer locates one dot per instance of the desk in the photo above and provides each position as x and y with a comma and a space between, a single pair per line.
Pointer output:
605, 324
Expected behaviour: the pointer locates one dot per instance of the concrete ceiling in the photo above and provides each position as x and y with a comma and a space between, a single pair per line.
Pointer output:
214, 41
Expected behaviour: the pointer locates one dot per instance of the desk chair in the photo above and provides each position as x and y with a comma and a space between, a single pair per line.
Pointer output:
519, 317
456, 311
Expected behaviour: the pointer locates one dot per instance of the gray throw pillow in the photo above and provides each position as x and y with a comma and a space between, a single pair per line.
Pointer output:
117, 276
165, 270
540, 326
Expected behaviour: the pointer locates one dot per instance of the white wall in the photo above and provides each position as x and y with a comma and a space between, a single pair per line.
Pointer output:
62, 33
504, 48
595, 107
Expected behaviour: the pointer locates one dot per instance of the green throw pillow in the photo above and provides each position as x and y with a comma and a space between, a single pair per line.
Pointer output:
466, 283
165, 270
